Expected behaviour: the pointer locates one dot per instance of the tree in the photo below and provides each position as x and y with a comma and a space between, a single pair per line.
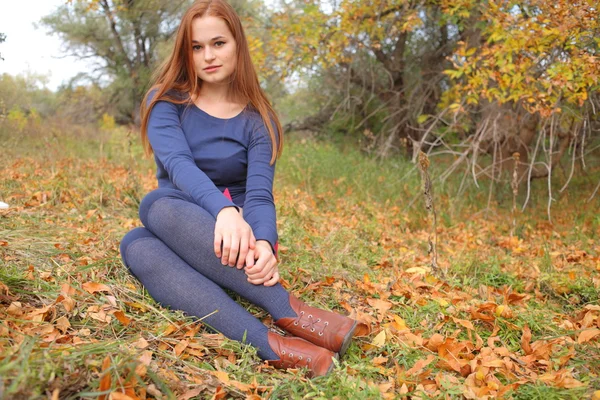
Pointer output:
477, 80
122, 37
2, 40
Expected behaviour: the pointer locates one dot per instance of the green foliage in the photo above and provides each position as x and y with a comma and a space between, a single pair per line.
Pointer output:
123, 37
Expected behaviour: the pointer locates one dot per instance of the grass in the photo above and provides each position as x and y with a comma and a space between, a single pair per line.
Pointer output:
354, 236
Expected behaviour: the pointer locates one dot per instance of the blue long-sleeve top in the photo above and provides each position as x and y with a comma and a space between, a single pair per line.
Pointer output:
203, 155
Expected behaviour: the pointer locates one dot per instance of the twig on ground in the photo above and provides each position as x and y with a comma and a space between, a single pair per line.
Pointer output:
430, 206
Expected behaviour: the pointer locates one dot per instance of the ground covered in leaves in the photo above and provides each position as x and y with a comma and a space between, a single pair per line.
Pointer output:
516, 315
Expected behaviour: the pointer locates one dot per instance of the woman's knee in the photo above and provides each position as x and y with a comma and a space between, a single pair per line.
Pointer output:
130, 237
158, 194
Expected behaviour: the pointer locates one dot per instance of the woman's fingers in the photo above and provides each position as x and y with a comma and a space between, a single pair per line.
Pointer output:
233, 250
243, 252
258, 266
250, 259
217, 244
264, 274
273, 280
226, 248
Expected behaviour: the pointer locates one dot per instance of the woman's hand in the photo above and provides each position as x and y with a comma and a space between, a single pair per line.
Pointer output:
235, 235
264, 271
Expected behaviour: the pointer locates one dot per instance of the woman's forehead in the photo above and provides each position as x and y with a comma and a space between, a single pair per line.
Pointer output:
208, 28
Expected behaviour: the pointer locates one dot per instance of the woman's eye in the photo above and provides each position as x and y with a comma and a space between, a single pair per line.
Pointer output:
196, 47
219, 44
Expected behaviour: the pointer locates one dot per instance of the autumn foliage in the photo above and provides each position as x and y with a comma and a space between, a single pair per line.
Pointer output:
516, 314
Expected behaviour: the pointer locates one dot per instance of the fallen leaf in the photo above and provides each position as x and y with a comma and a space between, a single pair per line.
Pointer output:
464, 322
189, 394
123, 319
379, 340
419, 365
120, 396
587, 335
526, 340
93, 287
105, 382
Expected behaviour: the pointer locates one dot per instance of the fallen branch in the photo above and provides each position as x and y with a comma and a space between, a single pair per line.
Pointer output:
430, 206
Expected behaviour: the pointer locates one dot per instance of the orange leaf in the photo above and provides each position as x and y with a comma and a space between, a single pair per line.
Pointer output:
381, 306
464, 322
219, 394
419, 365
105, 382
190, 393
526, 340
180, 347
120, 396
123, 319
222, 376
93, 287
587, 335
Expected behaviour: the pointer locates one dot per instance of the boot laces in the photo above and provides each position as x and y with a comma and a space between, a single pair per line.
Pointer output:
311, 323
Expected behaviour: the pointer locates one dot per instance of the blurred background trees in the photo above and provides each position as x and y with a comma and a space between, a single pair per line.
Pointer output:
499, 90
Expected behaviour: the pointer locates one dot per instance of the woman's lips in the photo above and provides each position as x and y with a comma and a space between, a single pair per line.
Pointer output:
211, 69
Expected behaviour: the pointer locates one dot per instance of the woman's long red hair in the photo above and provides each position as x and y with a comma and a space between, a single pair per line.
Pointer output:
178, 74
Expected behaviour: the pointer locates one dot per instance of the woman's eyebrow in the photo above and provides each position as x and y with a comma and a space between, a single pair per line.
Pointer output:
215, 38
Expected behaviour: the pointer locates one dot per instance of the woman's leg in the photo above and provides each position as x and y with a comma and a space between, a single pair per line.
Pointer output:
188, 230
172, 282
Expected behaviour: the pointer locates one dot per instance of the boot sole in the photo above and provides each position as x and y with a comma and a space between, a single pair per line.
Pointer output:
348, 339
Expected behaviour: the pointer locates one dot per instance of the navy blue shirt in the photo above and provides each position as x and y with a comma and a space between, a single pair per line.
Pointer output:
203, 155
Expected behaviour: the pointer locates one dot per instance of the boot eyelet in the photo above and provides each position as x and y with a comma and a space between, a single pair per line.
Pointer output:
283, 352
303, 326
326, 323
296, 323
299, 357
308, 359
319, 320
312, 330
320, 333
301, 312
292, 355
310, 316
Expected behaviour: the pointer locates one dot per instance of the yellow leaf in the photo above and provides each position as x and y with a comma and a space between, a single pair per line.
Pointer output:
379, 340
416, 270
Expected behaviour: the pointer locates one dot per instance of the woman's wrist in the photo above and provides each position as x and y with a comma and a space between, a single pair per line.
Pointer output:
232, 210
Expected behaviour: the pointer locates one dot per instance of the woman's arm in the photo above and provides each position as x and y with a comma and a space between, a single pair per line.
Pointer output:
172, 149
259, 207
233, 235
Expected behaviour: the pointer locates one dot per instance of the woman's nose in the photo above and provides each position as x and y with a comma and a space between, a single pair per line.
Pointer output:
208, 54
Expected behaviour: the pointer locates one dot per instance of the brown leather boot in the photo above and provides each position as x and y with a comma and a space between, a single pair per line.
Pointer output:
294, 352
326, 329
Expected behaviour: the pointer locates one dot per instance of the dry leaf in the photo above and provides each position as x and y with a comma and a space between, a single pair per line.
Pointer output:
120, 396
379, 340
105, 382
179, 347
62, 324
189, 394
93, 287
141, 343
464, 322
419, 365
526, 340
123, 319
587, 335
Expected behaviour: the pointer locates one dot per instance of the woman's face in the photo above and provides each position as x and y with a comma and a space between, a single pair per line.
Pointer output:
213, 45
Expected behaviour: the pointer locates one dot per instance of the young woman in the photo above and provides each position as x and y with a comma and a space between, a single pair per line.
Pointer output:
211, 223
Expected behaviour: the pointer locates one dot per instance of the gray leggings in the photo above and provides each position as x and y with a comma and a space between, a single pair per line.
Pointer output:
173, 257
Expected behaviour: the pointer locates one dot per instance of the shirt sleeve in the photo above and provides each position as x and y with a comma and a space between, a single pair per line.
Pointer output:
172, 149
259, 206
